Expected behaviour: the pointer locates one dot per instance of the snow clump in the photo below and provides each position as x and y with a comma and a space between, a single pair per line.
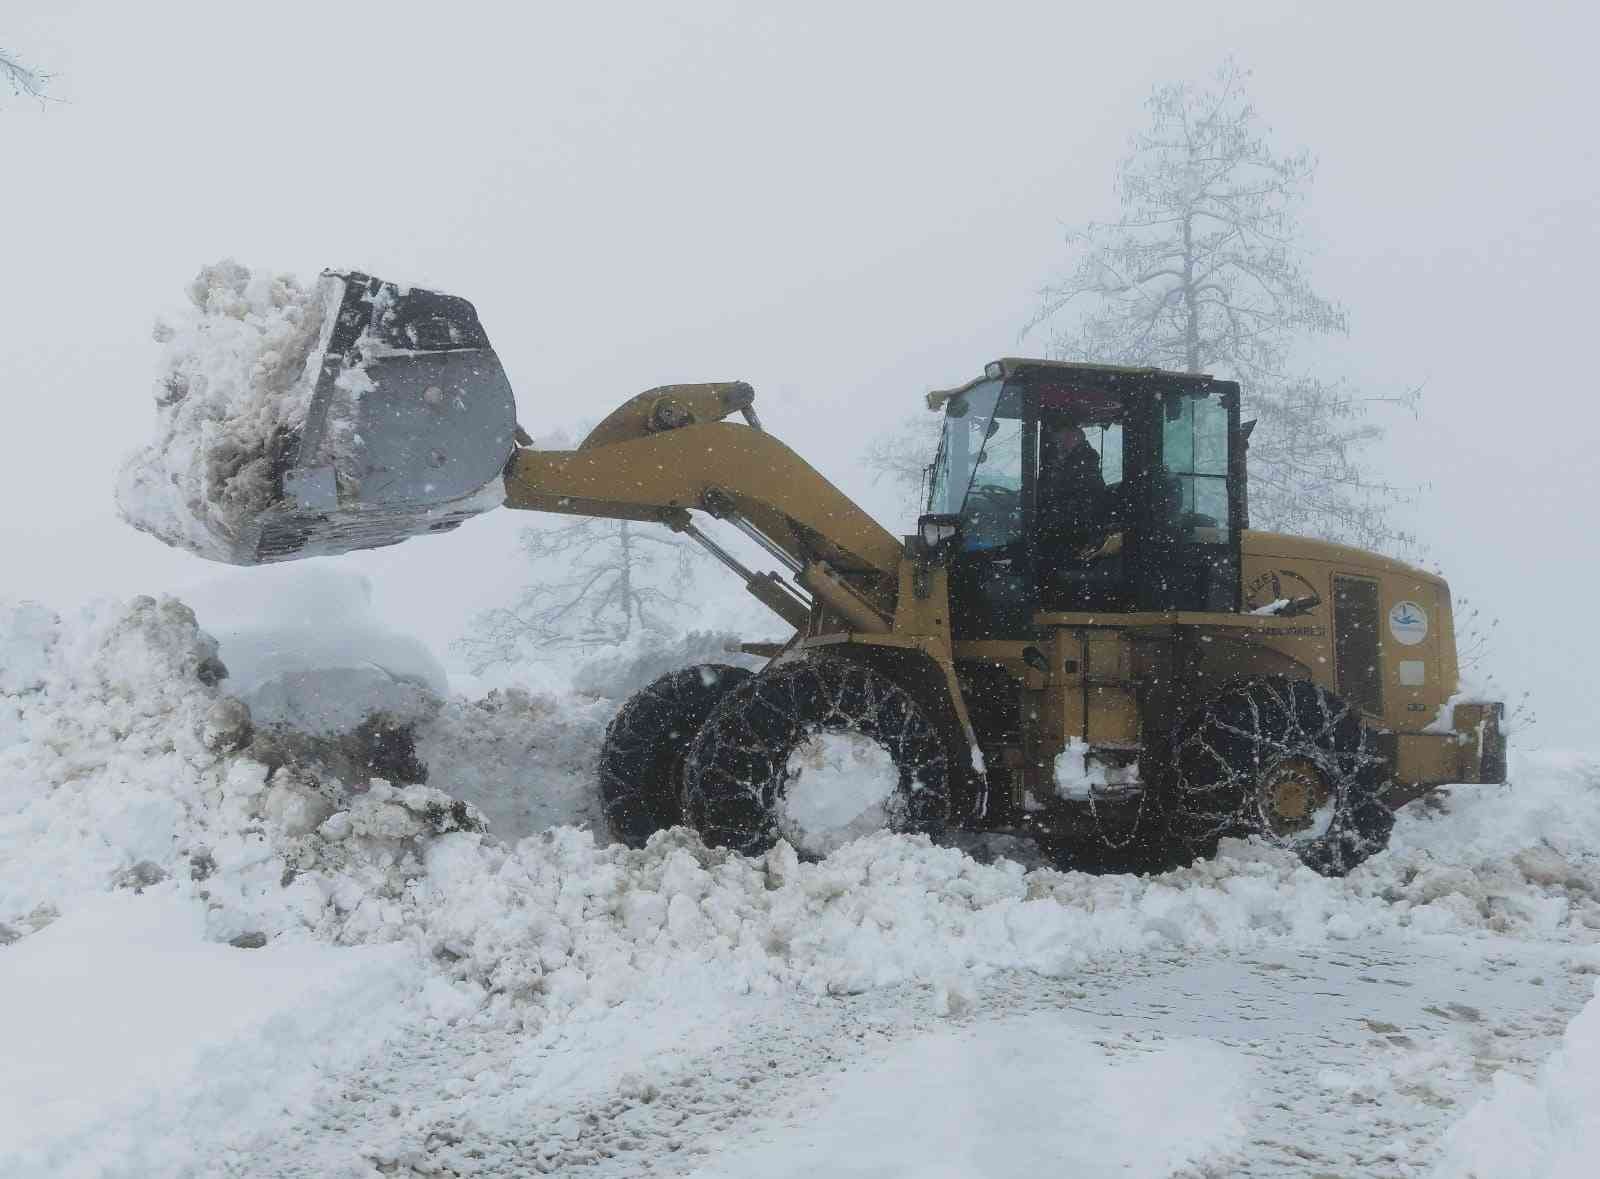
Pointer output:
233, 392
839, 789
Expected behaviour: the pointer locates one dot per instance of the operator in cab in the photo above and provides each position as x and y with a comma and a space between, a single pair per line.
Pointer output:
1074, 507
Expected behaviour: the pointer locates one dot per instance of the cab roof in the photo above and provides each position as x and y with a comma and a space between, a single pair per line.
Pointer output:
1015, 366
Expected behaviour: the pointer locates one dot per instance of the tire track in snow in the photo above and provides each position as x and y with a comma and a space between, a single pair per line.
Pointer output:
412, 1112
1363, 1054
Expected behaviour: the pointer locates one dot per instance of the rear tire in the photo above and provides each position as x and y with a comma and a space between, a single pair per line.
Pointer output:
737, 772
1286, 760
641, 759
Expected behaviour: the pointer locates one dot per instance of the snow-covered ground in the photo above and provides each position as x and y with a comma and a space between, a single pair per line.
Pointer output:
219, 959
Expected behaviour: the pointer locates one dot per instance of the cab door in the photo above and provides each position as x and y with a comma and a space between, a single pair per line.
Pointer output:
1190, 507
978, 476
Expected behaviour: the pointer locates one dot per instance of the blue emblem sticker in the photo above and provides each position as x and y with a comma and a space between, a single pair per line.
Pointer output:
1408, 623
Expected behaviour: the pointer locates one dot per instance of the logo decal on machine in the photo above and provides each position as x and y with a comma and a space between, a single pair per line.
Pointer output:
1276, 585
1408, 623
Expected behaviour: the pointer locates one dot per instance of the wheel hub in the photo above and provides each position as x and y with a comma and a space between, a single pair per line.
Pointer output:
1292, 793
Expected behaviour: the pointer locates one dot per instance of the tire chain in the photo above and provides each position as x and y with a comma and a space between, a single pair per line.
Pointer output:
1273, 727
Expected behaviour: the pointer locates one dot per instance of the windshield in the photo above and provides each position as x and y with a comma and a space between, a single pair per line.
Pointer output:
978, 474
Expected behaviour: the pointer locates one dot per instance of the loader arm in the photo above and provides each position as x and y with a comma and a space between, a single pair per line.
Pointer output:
640, 465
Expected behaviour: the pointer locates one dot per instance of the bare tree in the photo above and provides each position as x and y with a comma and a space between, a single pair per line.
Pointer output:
1203, 272
903, 455
609, 581
23, 81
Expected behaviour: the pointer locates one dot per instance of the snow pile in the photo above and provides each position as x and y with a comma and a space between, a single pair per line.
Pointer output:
27, 632
304, 649
526, 760
144, 822
326, 679
106, 759
1548, 1128
234, 389
129, 768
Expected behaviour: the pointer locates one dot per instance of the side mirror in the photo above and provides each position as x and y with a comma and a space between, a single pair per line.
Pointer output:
936, 534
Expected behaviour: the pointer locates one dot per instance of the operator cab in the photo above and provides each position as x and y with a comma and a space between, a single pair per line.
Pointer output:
1080, 488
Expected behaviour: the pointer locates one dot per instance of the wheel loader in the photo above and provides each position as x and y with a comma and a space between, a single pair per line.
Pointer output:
1130, 687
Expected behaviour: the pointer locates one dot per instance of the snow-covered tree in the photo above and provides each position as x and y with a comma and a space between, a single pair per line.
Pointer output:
605, 581
1203, 271
21, 80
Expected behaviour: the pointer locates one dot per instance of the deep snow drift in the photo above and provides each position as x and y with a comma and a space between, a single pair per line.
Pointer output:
124, 768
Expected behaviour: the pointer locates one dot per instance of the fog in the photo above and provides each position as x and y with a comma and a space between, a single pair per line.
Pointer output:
843, 204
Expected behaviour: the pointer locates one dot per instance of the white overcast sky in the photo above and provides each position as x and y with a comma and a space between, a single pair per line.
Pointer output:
845, 204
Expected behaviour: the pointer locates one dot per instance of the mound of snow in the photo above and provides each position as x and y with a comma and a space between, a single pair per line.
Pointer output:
232, 391
121, 777
128, 798
305, 649
526, 760
1547, 1128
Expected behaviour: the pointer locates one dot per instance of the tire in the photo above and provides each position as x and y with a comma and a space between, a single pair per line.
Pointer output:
1286, 760
738, 774
641, 758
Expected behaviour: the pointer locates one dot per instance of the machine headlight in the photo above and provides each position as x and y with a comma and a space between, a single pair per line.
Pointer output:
937, 531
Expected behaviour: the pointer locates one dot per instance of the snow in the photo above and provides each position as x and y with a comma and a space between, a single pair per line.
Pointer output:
236, 374
138, 838
1546, 1128
122, 1011
303, 647
619, 673
1021, 1097
839, 789
1076, 779
1469, 692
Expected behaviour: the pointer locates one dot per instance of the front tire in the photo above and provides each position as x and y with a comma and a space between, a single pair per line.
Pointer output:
641, 759
744, 761
1288, 761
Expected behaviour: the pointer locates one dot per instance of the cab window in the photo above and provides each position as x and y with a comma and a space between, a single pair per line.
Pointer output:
1194, 450
978, 474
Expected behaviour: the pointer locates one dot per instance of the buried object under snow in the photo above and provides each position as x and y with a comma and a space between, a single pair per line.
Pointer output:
299, 422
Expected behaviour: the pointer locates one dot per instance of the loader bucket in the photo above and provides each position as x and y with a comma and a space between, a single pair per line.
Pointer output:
299, 421
295, 421
409, 424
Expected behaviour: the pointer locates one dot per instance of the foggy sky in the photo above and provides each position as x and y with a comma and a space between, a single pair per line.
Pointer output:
845, 204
